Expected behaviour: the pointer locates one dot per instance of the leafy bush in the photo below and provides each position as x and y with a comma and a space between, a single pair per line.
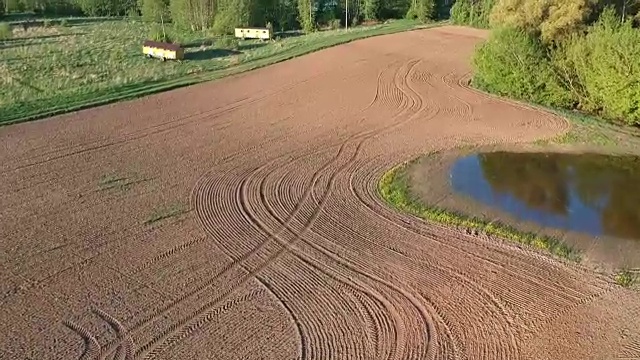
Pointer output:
157, 34
5, 31
411, 14
64, 22
236, 14
227, 42
155, 10
47, 23
514, 63
602, 68
470, 12
460, 12
422, 10
334, 24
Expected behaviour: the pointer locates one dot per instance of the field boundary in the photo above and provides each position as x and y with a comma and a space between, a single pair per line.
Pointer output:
49, 107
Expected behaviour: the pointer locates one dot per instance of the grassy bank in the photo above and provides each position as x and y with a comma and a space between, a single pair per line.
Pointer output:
394, 188
57, 69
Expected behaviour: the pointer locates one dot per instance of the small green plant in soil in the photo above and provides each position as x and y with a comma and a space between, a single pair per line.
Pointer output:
394, 188
165, 213
626, 278
117, 182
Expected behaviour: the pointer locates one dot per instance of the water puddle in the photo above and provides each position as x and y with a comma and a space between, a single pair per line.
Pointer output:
588, 193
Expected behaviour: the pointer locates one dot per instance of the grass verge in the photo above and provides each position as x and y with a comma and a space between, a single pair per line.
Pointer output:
394, 189
52, 71
165, 213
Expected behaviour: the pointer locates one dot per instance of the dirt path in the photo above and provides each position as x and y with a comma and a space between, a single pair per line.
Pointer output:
283, 249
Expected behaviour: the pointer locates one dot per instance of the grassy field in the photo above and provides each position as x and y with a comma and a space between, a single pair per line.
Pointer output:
56, 69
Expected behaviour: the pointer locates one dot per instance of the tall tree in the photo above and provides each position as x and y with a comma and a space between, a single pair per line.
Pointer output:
371, 9
307, 15
552, 20
155, 10
193, 14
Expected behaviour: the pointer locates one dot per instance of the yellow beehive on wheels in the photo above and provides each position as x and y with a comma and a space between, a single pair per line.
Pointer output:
163, 51
253, 33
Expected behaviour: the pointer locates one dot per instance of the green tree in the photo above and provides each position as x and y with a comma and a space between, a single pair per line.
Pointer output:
371, 9
232, 14
472, 12
605, 66
423, 10
193, 14
514, 63
155, 10
307, 15
552, 20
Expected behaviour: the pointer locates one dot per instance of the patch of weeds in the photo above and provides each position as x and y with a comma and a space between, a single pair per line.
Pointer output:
117, 182
394, 189
165, 213
110, 181
626, 278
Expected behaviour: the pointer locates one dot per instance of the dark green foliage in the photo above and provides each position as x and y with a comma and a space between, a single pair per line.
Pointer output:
227, 43
307, 15
422, 10
105, 7
472, 12
514, 63
155, 10
5, 31
232, 14
371, 9
157, 33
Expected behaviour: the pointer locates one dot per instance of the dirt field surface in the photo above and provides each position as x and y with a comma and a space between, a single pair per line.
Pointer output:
240, 219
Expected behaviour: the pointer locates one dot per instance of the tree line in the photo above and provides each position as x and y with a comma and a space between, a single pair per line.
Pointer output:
224, 15
572, 54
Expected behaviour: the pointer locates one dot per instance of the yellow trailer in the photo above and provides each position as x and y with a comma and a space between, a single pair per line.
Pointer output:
162, 50
253, 33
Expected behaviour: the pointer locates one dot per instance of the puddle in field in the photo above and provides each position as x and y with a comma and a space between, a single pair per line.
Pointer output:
588, 193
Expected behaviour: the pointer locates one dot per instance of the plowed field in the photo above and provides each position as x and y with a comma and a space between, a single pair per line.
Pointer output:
239, 219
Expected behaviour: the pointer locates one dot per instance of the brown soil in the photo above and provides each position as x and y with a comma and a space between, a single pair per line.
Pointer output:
285, 250
429, 178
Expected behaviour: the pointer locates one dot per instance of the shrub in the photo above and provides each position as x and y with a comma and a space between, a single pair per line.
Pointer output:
5, 31
411, 14
514, 63
227, 42
603, 69
156, 34
460, 12
334, 24
64, 22
155, 11
47, 23
473, 13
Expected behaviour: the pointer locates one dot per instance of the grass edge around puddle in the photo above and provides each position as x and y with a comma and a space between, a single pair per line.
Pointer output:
393, 188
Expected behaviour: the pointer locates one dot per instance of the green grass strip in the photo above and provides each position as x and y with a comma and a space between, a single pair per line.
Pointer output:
56, 105
394, 189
